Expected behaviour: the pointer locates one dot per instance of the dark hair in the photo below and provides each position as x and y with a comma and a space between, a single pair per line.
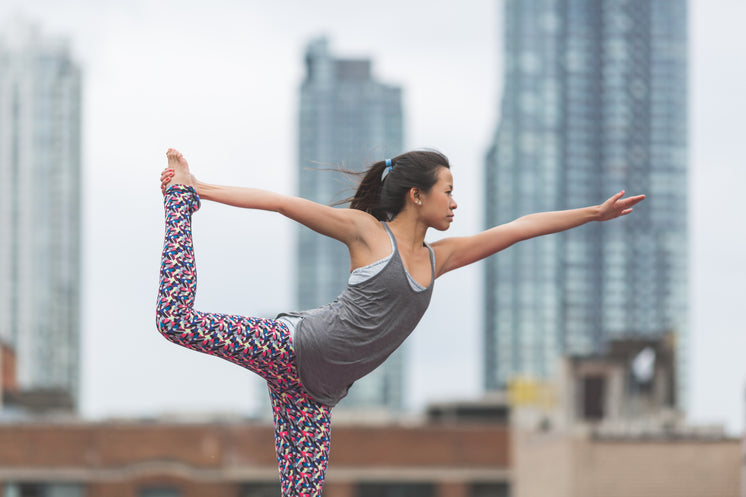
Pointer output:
385, 199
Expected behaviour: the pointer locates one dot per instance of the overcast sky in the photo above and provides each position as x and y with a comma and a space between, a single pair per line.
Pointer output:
219, 81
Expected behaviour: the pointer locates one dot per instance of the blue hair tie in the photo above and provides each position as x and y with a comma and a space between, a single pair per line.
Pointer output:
387, 169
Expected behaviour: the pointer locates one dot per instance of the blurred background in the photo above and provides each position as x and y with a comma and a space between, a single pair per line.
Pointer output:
616, 333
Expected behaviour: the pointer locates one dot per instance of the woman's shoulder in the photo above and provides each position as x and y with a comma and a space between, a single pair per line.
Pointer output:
366, 223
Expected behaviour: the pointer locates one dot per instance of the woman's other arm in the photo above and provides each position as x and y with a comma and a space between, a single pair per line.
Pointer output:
457, 252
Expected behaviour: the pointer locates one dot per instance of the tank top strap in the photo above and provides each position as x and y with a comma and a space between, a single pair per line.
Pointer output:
432, 259
391, 235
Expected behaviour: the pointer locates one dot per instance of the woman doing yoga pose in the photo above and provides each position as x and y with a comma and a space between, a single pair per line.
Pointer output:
311, 358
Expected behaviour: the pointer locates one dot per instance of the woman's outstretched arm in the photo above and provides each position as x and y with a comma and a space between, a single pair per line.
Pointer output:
345, 225
457, 252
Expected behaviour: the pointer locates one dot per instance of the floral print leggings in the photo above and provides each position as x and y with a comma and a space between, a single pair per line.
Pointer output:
264, 346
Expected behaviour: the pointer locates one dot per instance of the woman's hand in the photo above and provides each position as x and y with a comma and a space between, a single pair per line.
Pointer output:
617, 206
166, 176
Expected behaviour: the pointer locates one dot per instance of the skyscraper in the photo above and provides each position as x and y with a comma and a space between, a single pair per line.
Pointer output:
347, 119
40, 232
595, 100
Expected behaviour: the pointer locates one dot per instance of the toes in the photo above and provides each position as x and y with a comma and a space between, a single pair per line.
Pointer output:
174, 155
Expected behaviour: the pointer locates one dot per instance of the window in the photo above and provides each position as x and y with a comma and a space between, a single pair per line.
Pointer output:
490, 490
44, 490
265, 489
395, 490
160, 491
593, 397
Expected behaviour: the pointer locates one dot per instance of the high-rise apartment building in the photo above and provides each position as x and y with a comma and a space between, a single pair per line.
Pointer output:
348, 120
595, 101
40, 194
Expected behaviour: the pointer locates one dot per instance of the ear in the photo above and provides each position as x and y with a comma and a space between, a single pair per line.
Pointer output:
415, 195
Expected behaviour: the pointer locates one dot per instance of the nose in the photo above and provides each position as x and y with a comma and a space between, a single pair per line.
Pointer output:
453, 205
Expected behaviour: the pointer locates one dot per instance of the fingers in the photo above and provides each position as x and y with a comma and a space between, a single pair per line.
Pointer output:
167, 173
614, 198
166, 176
636, 198
616, 206
629, 202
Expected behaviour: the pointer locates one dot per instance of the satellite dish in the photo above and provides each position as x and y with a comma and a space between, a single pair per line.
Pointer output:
643, 365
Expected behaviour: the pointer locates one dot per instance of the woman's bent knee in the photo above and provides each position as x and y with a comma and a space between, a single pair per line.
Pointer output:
170, 324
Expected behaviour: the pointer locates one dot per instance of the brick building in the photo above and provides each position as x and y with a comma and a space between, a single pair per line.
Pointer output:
153, 459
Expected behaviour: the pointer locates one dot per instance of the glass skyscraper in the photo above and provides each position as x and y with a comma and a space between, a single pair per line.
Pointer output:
595, 101
40, 192
347, 120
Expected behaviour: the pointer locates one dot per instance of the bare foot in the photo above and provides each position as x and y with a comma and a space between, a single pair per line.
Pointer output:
177, 163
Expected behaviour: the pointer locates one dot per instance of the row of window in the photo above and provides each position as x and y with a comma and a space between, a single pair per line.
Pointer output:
389, 489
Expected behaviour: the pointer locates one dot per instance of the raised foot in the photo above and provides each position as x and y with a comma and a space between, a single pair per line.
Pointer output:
180, 167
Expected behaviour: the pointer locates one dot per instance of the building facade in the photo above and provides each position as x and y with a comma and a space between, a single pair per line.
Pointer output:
606, 426
237, 459
40, 213
574, 465
594, 102
347, 120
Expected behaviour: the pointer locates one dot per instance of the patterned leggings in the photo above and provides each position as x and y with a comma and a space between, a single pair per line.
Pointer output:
263, 346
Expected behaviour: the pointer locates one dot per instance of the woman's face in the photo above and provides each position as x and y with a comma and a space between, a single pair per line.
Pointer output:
438, 204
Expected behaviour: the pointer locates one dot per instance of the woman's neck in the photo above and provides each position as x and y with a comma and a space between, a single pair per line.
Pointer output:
410, 232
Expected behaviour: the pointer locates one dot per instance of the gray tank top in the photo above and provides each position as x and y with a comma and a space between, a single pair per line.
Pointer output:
339, 343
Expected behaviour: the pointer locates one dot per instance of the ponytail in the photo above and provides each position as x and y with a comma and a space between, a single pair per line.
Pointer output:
368, 194
383, 195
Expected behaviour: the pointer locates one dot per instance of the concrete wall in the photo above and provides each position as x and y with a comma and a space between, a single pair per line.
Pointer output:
659, 468
578, 466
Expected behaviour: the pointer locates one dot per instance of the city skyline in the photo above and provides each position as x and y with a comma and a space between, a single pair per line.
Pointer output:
220, 84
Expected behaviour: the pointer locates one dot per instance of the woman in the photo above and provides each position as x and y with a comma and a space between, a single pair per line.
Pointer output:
309, 359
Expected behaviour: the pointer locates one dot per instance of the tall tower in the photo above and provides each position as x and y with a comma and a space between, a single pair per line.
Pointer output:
349, 120
595, 102
40, 192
